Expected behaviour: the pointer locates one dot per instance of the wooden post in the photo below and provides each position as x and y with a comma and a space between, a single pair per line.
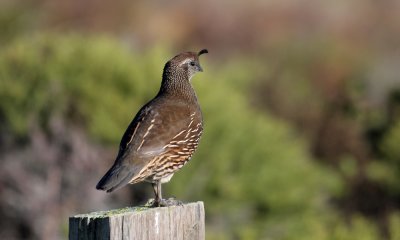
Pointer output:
176, 222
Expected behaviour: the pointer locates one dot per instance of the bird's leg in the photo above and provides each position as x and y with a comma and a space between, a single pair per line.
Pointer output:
157, 193
159, 202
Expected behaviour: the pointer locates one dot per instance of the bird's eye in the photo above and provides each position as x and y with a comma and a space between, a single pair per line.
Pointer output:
192, 63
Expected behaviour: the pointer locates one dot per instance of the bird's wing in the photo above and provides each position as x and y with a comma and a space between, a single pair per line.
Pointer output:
158, 139
146, 138
151, 130
165, 125
131, 132
122, 171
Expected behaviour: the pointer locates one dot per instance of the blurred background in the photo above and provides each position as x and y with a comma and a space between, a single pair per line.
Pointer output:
301, 101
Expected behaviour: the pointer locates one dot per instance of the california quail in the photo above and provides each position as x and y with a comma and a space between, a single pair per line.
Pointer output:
164, 133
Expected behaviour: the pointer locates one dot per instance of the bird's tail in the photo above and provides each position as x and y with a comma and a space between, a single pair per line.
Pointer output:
117, 177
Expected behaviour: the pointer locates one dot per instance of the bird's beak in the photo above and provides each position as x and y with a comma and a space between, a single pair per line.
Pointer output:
199, 68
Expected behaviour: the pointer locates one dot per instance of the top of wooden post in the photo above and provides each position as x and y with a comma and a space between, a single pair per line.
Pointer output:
175, 222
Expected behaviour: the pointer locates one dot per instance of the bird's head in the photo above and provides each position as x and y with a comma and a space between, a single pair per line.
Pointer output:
184, 65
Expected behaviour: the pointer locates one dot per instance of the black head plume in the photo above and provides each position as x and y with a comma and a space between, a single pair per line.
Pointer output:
203, 51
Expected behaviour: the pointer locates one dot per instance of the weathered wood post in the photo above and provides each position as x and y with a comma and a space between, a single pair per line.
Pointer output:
172, 223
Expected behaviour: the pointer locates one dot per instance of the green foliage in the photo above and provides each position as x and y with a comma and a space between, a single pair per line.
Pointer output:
87, 83
252, 170
390, 144
387, 170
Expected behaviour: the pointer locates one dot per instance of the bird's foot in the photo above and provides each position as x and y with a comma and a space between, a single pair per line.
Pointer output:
163, 203
170, 202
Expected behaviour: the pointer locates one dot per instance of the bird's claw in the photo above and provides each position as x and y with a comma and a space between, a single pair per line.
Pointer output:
163, 203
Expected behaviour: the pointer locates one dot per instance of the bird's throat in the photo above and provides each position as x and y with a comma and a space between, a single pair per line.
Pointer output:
178, 86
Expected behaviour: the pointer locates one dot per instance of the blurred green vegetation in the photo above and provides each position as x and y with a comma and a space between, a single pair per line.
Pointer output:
87, 82
252, 170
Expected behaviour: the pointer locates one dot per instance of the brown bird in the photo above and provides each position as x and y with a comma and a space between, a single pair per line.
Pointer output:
164, 133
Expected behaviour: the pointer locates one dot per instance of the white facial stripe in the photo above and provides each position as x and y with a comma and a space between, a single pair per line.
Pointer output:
185, 61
